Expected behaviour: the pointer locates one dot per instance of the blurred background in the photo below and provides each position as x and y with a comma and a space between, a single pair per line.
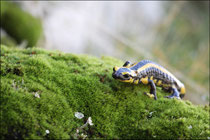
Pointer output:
173, 34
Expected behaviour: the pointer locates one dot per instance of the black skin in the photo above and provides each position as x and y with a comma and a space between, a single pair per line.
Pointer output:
127, 63
153, 91
152, 88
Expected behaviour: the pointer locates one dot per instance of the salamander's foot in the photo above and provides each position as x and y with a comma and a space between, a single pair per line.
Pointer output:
175, 94
150, 95
171, 96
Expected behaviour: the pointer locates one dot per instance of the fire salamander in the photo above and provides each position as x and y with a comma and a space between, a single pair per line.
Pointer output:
150, 73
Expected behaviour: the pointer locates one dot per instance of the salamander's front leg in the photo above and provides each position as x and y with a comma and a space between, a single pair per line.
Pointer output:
127, 64
152, 93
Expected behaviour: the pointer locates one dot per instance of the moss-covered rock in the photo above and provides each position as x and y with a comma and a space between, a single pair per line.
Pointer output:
41, 91
8, 41
19, 24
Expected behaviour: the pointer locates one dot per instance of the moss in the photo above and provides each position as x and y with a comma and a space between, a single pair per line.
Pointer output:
19, 24
68, 83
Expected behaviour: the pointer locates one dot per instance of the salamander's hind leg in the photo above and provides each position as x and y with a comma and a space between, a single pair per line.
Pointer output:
152, 93
175, 94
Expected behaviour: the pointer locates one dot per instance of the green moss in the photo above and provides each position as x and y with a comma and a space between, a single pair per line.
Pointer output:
19, 24
70, 83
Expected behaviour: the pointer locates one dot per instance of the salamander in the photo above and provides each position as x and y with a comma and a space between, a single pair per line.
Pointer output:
150, 73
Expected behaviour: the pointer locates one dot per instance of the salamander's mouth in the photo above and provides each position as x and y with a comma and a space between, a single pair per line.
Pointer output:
121, 77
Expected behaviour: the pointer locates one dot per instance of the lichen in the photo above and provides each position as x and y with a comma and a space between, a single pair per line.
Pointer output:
68, 83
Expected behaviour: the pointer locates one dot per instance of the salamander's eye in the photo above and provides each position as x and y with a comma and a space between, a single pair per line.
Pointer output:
126, 75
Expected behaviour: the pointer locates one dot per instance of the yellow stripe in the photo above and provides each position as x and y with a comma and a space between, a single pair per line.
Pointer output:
166, 85
144, 80
123, 73
129, 65
116, 68
136, 81
155, 80
132, 65
159, 82
127, 81
182, 91
151, 65
162, 69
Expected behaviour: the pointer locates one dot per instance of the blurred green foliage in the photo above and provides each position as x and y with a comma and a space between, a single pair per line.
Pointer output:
19, 24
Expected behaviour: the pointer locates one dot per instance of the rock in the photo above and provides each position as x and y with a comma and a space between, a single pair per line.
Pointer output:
70, 83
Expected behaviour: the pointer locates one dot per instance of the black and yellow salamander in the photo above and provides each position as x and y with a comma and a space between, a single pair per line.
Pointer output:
148, 72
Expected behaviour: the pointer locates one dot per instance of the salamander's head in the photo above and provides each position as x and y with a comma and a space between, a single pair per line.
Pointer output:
123, 74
